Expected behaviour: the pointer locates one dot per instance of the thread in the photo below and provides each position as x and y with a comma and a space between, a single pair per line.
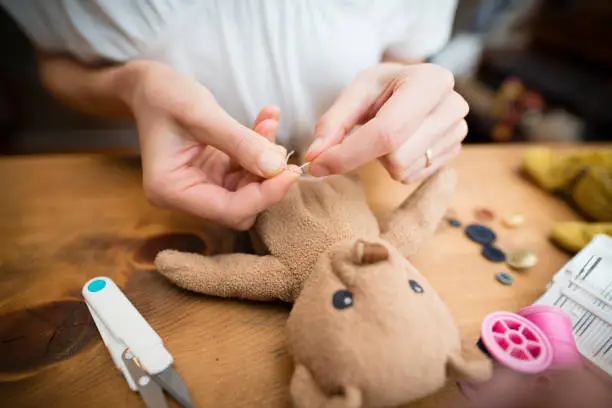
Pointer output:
556, 324
516, 345
515, 342
299, 169
291, 153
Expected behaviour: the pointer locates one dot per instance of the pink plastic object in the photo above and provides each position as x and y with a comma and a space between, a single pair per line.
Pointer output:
517, 345
515, 342
556, 324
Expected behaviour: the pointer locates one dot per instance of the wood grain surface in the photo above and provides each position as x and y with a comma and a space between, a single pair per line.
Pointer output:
66, 219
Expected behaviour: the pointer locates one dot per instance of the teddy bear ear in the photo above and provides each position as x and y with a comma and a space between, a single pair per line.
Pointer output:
366, 253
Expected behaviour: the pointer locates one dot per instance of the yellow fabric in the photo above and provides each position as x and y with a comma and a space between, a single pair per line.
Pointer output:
556, 171
575, 235
586, 176
592, 193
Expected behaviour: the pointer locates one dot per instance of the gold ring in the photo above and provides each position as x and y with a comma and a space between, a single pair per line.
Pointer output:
427, 158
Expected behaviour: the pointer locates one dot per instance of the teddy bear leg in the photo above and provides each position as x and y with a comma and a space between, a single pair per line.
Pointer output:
244, 276
419, 215
474, 371
305, 393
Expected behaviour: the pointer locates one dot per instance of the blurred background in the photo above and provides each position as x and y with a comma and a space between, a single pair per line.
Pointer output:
532, 70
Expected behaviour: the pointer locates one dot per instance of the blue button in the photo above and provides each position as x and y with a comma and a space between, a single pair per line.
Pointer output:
96, 285
480, 233
504, 278
454, 222
493, 254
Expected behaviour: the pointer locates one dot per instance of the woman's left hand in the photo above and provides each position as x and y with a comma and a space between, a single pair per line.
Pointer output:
413, 121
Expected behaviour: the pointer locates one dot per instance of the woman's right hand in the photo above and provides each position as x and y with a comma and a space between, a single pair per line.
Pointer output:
198, 159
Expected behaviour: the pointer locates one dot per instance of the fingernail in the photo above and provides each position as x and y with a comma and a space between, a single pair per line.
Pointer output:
319, 171
314, 148
271, 162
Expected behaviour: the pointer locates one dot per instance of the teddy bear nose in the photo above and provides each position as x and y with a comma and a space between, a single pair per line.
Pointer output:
367, 253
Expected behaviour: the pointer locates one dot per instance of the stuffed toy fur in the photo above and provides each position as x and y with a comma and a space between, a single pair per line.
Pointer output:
366, 328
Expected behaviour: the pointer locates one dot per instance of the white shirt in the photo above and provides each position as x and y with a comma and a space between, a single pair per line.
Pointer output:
297, 54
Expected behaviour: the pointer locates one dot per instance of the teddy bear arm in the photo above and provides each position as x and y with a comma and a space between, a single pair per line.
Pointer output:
305, 393
418, 216
244, 276
476, 371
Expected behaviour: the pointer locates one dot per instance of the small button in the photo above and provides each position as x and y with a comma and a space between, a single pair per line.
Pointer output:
522, 259
504, 278
493, 254
454, 222
513, 221
480, 233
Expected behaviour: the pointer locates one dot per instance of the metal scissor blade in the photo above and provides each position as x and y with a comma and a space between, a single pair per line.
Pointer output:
174, 385
152, 394
149, 390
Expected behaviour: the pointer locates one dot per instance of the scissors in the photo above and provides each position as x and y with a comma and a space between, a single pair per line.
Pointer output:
136, 349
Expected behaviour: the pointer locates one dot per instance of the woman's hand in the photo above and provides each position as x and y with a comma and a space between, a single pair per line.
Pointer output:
198, 159
413, 121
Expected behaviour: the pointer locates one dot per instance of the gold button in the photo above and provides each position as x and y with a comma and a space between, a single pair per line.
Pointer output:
513, 221
522, 259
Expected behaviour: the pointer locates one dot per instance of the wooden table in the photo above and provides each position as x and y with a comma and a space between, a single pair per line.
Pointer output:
66, 219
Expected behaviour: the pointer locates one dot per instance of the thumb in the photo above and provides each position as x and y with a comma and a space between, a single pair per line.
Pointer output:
245, 146
350, 109
256, 154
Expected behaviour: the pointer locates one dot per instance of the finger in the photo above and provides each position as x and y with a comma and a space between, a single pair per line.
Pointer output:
425, 172
266, 128
447, 116
232, 181
500, 392
232, 209
247, 178
254, 198
269, 112
356, 104
210, 124
418, 93
443, 145
347, 111
405, 161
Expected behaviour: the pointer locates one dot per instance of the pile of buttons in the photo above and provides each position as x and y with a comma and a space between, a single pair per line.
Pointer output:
486, 237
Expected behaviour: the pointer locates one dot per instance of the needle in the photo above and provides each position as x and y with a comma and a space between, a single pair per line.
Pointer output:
300, 168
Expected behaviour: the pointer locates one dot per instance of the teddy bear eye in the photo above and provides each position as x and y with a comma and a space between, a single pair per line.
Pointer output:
415, 286
342, 299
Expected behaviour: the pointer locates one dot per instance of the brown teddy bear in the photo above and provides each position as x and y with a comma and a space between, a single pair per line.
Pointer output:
366, 329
